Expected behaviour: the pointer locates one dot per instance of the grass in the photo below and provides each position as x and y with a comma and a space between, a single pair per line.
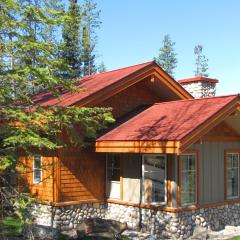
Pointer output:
235, 238
10, 227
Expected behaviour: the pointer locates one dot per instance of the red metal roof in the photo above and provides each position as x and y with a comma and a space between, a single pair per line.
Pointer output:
169, 121
198, 79
90, 85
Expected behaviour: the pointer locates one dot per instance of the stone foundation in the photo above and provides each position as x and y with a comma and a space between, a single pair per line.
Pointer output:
156, 222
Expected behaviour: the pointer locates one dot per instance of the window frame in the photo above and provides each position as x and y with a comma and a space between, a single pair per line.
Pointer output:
187, 153
226, 175
107, 182
120, 169
39, 169
165, 181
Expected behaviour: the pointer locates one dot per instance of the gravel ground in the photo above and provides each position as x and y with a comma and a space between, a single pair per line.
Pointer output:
228, 233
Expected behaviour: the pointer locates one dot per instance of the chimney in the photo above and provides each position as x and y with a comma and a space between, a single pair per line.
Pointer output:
200, 87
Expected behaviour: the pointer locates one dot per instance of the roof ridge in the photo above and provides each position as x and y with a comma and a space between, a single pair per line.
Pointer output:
198, 99
81, 80
86, 80
117, 69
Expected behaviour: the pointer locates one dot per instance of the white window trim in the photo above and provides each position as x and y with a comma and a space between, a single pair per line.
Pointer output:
37, 182
238, 154
196, 178
143, 180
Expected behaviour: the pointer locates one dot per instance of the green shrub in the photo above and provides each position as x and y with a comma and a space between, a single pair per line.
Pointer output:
10, 227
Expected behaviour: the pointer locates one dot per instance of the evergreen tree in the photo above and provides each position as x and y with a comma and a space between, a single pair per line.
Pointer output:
30, 60
201, 62
102, 67
167, 56
89, 38
71, 48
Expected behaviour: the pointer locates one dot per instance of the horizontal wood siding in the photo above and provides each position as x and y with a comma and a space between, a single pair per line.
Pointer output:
82, 175
43, 190
129, 99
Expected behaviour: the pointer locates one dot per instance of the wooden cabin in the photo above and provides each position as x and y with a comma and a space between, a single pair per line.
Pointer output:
167, 155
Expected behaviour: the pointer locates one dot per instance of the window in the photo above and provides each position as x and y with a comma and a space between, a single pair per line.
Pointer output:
113, 185
154, 179
188, 178
37, 168
232, 166
113, 167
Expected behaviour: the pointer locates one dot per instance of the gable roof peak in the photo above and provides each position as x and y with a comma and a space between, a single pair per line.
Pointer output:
101, 83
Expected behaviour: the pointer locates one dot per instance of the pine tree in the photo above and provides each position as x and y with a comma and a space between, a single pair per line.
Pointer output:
30, 61
102, 68
167, 56
88, 56
71, 47
89, 38
201, 62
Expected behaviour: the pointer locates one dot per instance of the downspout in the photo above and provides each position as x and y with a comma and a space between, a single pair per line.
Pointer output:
51, 205
140, 200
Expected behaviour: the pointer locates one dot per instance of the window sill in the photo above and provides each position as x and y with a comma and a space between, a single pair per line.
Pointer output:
37, 183
189, 205
163, 204
232, 198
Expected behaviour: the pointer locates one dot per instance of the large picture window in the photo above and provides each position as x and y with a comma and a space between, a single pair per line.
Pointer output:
188, 179
232, 166
154, 179
37, 168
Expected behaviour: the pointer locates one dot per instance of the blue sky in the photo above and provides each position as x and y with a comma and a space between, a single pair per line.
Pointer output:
132, 32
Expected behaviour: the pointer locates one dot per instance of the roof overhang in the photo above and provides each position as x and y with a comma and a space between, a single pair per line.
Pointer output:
170, 147
138, 146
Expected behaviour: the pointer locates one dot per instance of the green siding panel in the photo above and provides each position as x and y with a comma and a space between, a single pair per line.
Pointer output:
211, 169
